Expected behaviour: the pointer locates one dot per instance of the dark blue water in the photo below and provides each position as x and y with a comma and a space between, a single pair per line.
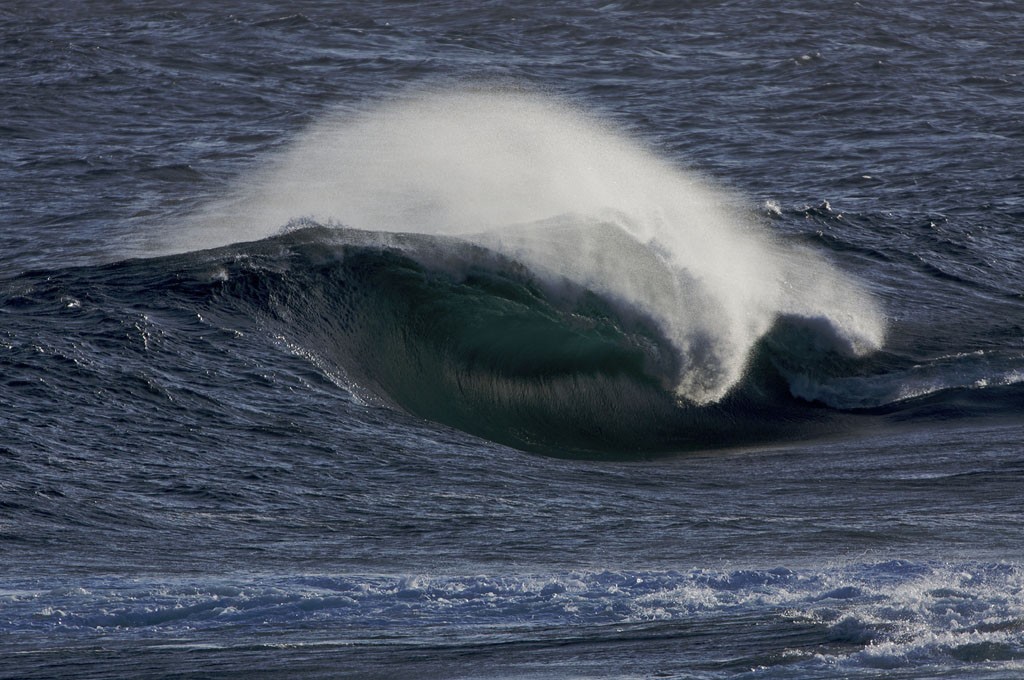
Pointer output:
626, 340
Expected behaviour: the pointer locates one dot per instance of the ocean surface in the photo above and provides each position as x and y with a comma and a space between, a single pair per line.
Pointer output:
532, 340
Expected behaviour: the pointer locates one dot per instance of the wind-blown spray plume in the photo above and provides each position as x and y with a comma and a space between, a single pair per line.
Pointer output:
565, 194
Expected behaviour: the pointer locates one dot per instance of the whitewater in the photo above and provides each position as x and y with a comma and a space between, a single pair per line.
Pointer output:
548, 341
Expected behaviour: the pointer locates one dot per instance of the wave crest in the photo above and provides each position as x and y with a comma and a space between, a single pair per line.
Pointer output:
538, 180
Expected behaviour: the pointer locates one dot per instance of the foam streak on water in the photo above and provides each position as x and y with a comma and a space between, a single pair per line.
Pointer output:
886, 615
537, 179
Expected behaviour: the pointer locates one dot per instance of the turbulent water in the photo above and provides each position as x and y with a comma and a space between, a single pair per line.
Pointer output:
631, 340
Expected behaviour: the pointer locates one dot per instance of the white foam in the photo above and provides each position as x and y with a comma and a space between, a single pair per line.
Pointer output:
861, 617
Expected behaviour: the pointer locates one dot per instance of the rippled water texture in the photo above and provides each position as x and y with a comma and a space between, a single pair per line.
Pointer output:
626, 340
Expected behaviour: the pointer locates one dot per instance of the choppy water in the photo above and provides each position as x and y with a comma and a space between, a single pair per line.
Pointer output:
617, 341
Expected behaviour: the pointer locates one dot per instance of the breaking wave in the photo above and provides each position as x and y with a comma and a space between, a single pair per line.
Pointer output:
508, 265
535, 179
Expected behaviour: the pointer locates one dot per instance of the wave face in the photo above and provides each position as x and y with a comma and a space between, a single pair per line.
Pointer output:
464, 335
532, 179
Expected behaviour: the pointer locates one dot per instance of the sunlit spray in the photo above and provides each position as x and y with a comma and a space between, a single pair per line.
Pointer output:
565, 193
